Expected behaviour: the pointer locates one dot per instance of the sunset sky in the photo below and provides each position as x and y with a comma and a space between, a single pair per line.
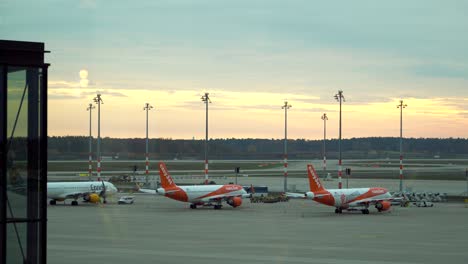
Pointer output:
251, 56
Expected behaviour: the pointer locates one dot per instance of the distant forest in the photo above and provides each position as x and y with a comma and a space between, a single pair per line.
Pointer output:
66, 148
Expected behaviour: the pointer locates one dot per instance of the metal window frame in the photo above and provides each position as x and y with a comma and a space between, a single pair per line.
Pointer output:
36, 220
3, 144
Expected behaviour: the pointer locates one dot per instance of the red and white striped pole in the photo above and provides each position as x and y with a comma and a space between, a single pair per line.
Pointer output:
98, 101
324, 118
401, 106
285, 161
286, 106
206, 171
90, 165
340, 98
147, 108
340, 173
90, 160
99, 168
206, 99
147, 165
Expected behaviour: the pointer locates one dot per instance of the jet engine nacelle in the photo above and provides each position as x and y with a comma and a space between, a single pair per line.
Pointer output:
235, 201
383, 205
94, 198
309, 195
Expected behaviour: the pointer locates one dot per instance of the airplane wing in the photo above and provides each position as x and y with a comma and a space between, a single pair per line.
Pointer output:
295, 195
76, 195
147, 191
223, 197
374, 201
151, 191
304, 196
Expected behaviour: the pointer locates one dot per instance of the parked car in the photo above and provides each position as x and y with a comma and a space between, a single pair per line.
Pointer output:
126, 200
424, 204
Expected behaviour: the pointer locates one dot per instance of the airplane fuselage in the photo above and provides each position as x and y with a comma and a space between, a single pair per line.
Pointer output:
346, 198
200, 194
64, 190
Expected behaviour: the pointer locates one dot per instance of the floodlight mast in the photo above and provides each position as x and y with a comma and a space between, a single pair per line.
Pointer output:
340, 98
324, 118
147, 107
206, 99
286, 106
401, 106
90, 159
98, 100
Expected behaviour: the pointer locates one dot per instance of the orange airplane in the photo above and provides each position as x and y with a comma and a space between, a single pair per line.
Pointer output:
348, 199
199, 195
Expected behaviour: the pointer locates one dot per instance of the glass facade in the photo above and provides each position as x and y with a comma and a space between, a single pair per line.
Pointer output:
23, 158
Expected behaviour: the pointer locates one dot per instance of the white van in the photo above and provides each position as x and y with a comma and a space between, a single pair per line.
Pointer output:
126, 200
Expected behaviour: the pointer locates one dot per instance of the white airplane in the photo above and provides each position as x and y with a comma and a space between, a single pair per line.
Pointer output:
347, 199
91, 191
203, 195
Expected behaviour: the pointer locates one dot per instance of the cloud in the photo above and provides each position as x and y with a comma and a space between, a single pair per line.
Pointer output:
457, 103
114, 94
60, 93
366, 99
62, 84
318, 110
306, 99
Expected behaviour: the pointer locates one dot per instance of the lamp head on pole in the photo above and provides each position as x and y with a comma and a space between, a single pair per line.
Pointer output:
206, 98
148, 107
286, 105
401, 105
90, 107
324, 117
98, 99
339, 96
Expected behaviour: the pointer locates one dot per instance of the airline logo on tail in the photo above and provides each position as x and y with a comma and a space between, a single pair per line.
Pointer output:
165, 175
313, 178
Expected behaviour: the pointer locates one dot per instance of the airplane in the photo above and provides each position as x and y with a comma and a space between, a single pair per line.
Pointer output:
353, 199
198, 195
91, 191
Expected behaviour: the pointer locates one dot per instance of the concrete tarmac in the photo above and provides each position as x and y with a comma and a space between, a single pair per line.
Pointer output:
159, 230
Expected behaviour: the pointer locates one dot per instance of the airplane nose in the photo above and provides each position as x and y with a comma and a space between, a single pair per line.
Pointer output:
161, 191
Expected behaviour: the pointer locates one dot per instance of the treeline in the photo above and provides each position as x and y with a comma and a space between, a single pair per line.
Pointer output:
355, 148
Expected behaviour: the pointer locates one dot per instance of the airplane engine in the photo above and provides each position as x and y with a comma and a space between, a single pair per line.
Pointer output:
383, 206
309, 195
94, 198
235, 201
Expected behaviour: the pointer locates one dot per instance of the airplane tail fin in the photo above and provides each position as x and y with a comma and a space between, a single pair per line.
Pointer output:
165, 177
314, 180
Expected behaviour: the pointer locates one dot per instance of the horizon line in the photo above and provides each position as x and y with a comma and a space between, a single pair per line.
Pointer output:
202, 139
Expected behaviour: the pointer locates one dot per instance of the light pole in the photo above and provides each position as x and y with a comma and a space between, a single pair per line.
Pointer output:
340, 98
324, 118
147, 108
98, 101
401, 106
286, 106
206, 99
90, 159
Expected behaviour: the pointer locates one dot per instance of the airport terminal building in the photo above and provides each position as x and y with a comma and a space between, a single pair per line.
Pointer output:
23, 152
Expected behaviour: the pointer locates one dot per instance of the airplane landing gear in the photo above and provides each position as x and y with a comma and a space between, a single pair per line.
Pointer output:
365, 211
74, 203
53, 202
217, 206
193, 206
338, 211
